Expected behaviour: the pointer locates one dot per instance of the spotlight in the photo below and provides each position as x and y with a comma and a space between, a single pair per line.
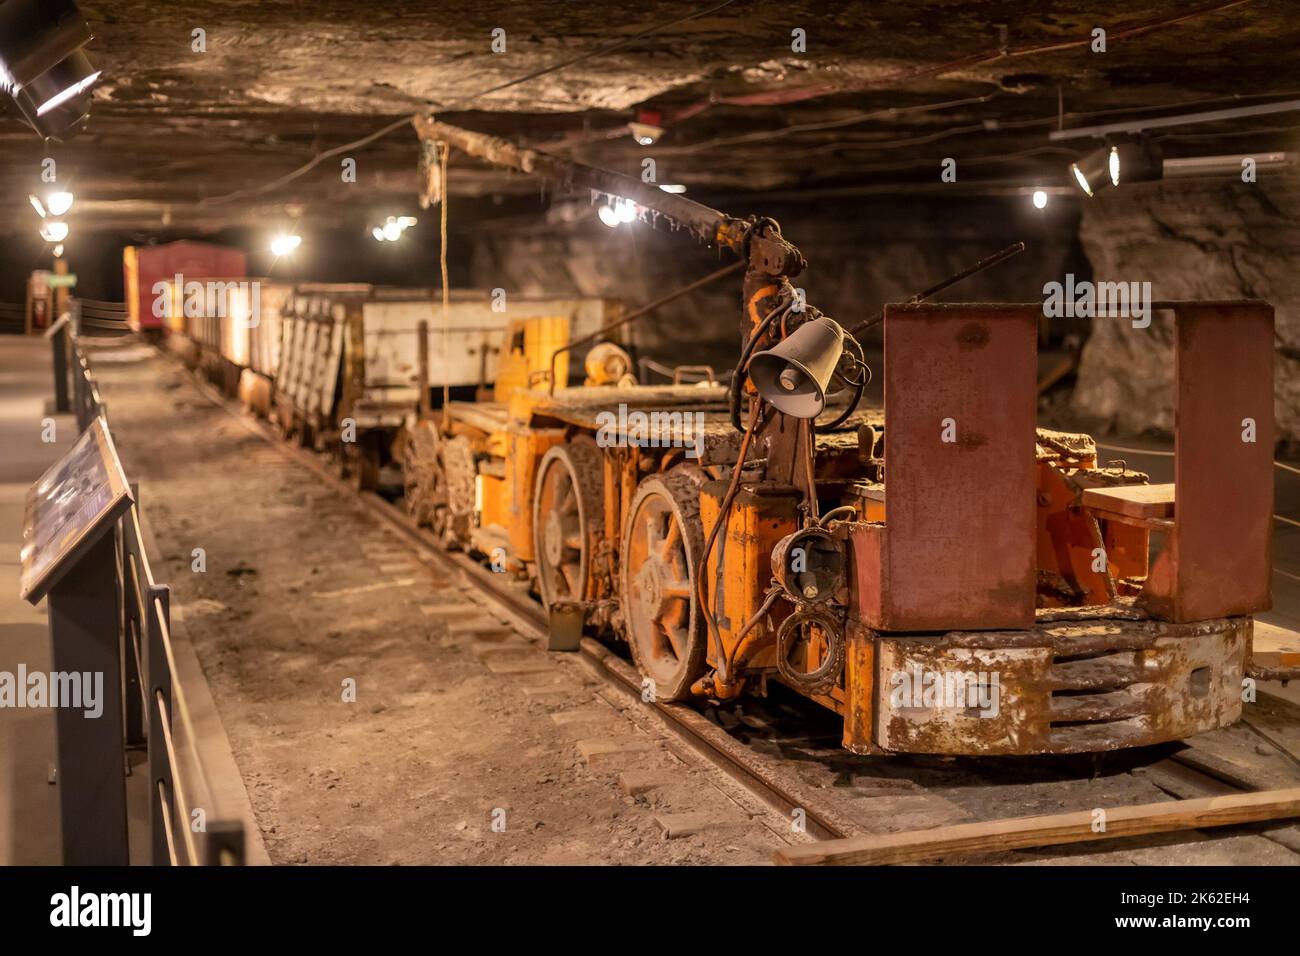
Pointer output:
1040, 199
1139, 161
626, 210
378, 234
1089, 171
392, 231
42, 64
59, 203
792, 376
608, 216
54, 231
36, 204
1133, 160
283, 244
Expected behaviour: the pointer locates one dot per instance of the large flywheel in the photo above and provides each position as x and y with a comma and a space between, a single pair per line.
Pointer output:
662, 545
568, 521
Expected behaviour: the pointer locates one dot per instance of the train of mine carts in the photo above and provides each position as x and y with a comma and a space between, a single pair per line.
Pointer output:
945, 575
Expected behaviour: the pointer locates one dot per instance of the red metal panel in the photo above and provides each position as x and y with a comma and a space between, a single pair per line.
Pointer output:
1219, 558
959, 529
192, 260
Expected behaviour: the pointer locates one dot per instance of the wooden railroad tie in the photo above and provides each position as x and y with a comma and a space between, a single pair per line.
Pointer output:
1054, 830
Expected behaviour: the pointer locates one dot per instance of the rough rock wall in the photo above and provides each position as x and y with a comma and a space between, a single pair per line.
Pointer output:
1190, 240
861, 254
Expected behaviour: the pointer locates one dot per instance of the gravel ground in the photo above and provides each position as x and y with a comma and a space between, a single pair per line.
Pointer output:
304, 591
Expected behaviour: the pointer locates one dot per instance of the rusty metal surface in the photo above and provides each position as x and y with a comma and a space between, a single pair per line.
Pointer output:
959, 540
1219, 558
1065, 687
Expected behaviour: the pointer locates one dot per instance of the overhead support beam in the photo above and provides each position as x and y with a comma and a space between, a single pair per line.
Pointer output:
1183, 119
706, 224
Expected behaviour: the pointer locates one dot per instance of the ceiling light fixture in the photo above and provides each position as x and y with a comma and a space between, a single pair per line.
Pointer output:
54, 231
42, 65
1090, 171
283, 244
393, 228
647, 127
1040, 199
59, 203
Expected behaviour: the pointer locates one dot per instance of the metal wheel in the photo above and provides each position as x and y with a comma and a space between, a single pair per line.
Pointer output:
421, 473
568, 521
662, 545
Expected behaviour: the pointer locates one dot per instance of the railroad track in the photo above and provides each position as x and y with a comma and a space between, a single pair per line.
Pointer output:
775, 750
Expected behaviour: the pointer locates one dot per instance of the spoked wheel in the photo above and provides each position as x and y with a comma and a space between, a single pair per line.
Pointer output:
662, 545
425, 493
568, 521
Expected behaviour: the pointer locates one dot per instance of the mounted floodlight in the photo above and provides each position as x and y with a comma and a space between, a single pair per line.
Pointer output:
1090, 171
42, 64
1138, 160
792, 376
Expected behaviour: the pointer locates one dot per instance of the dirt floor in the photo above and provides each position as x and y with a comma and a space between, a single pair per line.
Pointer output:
303, 592
466, 745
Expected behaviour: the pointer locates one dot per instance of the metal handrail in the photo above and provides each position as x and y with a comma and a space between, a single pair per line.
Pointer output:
151, 663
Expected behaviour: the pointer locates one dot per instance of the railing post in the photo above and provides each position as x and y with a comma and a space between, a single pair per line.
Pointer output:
132, 631
60, 345
224, 845
84, 640
160, 770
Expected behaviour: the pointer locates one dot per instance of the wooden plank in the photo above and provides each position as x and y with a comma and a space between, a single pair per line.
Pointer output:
1062, 828
1133, 501
1280, 645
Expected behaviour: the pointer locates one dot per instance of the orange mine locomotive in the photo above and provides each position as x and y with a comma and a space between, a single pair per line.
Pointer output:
938, 570
942, 573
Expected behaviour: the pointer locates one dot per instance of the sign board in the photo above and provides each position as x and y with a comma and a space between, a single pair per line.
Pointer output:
69, 509
65, 281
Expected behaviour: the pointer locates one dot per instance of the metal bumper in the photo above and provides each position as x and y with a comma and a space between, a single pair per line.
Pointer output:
1063, 687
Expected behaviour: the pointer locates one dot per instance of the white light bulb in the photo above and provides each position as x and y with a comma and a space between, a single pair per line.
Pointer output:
58, 251
53, 231
626, 211
378, 234
58, 203
673, 188
1040, 199
282, 245
36, 204
1114, 165
608, 216
392, 231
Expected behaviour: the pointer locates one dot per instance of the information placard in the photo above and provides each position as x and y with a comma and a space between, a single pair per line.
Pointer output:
74, 502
